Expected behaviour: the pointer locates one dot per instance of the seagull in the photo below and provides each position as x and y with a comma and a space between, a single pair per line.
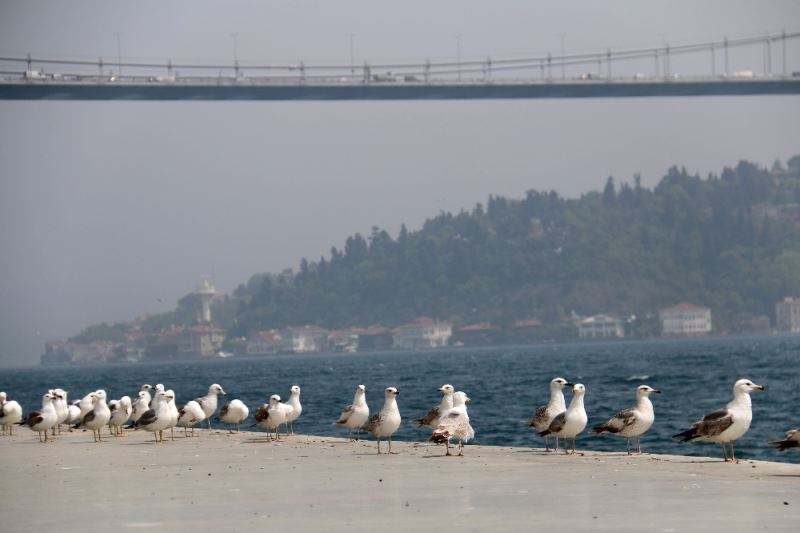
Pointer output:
545, 414
208, 403
120, 413
156, 398
633, 422
157, 420
297, 409
141, 405
570, 422
98, 416
74, 414
62, 411
173, 413
728, 424
272, 416
356, 414
189, 415
10, 413
43, 419
454, 423
86, 404
386, 421
792, 440
234, 412
431, 419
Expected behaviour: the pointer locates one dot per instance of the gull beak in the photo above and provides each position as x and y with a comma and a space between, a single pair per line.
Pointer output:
397, 393
468, 400
569, 384
657, 391
759, 387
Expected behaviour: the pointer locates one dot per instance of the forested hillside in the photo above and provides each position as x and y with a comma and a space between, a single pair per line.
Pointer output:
729, 241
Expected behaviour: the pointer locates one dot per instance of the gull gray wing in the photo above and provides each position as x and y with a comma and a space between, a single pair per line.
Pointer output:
373, 422
428, 419
556, 425
618, 422
539, 419
345, 414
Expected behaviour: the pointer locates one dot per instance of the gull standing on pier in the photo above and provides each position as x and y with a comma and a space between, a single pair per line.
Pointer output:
633, 422
728, 424
120, 413
545, 414
272, 416
43, 419
792, 440
208, 403
10, 413
356, 414
62, 410
234, 412
190, 415
431, 418
386, 421
296, 411
454, 423
570, 422
98, 417
141, 405
158, 419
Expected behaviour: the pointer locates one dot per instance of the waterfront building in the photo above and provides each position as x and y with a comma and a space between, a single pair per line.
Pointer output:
202, 340
304, 339
424, 332
263, 343
787, 315
685, 320
373, 338
601, 327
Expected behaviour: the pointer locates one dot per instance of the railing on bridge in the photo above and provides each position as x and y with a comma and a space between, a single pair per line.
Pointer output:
530, 69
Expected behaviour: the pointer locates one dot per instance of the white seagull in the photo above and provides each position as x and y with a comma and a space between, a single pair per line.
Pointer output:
386, 421
62, 410
10, 413
728, 424
140, 405
157, 420
43, 419
570, 422
454, 423
792, 440
296, 411
431, 418
633, 422
190, 415
208, 403
234, 412
356, 414
271, 416
545, 414
98, 417
120, 413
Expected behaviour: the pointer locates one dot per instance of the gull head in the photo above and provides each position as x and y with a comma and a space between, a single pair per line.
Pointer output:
3, 396
446, 389
391, 392
143, 394
159, 387
578, 389
461, 398
216, 389
559, 383
746, 386
169, 396
274, 399
49, 396
146, 387
100, 394
646, 390
361, 388
294, 389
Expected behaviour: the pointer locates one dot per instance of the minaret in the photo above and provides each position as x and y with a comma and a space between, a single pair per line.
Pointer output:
205, 290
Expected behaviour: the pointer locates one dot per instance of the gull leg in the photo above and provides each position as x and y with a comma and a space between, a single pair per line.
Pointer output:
379, 445
546, 444
733, 455
460, 448
390, 446
447, 447
628, 444
639, 443
724, 452
556, 450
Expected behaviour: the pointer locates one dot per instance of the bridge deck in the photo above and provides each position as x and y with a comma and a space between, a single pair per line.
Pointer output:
229, 90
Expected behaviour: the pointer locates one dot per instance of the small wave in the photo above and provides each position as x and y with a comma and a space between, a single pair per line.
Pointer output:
637, 377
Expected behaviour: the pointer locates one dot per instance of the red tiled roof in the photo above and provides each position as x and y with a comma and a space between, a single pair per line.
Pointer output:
481, 326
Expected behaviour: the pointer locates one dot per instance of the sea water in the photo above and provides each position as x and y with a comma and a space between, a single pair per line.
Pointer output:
506, 384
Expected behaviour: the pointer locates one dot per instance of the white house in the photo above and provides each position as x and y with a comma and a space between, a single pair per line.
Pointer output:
787, 315
263, 343
203, 340
424, 332
601, 327
685, 320
303, 339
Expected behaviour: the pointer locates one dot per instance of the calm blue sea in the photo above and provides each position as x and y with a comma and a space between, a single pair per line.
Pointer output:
506, 384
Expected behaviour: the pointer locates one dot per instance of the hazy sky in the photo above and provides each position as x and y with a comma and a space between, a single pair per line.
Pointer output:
106, 206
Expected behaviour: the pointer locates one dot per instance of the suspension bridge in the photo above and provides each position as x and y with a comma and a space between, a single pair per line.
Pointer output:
603, 73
